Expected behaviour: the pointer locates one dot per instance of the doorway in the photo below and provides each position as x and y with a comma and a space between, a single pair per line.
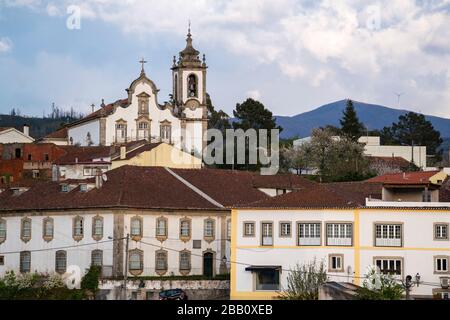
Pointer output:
208, 263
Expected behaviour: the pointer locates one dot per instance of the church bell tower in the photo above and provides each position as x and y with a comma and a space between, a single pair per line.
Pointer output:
189, 96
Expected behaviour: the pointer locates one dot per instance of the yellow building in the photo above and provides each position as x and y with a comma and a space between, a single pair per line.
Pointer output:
155, 155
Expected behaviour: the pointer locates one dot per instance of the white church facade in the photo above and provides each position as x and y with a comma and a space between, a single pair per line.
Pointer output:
181, 122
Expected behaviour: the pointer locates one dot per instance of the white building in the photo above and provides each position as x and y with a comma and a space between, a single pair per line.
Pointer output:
373, 148
181, 122
12, 135
270, 237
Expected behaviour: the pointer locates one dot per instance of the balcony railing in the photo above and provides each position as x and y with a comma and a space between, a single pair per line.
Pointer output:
339, 241
309, 241
383, 242
267, 241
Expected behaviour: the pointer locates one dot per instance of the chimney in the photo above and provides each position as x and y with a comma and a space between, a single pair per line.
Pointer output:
26, 130
123, 152
98, 179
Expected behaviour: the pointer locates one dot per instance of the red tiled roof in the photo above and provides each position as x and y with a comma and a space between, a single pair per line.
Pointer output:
411, 178
391, 161
106, 110
318, 196
358, 190
75, 154
58, 134
143, 188
281, 181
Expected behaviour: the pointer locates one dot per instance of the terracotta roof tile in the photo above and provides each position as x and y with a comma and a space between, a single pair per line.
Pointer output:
420, 177
58, 134
76, 154
281, 181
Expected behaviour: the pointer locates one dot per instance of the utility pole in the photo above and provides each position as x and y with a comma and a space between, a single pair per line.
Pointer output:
125, 276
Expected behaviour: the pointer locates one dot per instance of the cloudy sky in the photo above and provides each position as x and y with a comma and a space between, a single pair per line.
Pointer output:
293, 55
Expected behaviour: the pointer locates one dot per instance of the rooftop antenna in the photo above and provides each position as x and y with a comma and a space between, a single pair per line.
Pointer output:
399, 95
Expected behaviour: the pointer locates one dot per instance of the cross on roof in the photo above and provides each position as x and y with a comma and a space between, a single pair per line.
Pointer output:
142, 62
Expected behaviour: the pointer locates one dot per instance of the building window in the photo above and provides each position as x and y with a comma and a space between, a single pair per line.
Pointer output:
441, 231
285, 230
2, 230
35, 174
161, 228
136, 228
339, 234
97, 258
87, 172
185, 262
64, 188
441, 264
309, 234
197, 244
166, 133
388, 235
208, 229
136, 262
18, 153
392, 266
61, 261
185, 229
2, 260
249, 229
46, 157
161, 262
83, 187
30, 157
192, 86
25, 232
97, 228
78, 228
336, 263
267, 280
47, 229
267, 234
121, 132
25, 261
143, 130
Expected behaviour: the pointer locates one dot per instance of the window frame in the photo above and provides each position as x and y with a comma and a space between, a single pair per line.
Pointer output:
435, 259
330, 262
136, 236
23, 237
140, 254
183, 237
5, 233
440, 224
271, 234
319, 223
256, 281
162, 237
209, 238
61, 255
95, 219
280, 227
388, 224
165, 258
78, 237
45, 236
93, 253
339, 224
383, 258
22, 256
185, 271
244, 229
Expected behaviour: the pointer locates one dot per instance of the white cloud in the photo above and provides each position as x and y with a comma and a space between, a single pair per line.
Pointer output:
5, 45
362, 48
254, 94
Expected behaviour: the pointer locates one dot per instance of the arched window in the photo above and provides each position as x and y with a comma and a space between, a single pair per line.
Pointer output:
97, 228
47, 229
78, 228
185, 229
175, 88
136, 262
192, 86
161, 262
161, 227
25, 232
121, 131
61, 261
97, 258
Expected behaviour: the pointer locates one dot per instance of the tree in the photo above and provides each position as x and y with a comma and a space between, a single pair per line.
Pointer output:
378, 286
296, 158
350, 125
304, 281
414, 130
252, 114
216, 119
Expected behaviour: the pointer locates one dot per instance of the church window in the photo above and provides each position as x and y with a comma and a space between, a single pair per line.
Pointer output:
192, 86
61, 261
166, 133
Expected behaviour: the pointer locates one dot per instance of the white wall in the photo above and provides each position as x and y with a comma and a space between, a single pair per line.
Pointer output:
14, 136
420, 153
79, 133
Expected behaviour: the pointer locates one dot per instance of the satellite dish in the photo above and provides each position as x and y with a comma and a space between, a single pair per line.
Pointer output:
104, 177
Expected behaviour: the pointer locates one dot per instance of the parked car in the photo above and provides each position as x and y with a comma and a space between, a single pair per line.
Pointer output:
173, 294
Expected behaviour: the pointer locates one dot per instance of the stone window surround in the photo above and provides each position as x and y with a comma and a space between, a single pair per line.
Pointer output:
268, 222
75, 220
330, 257
23, 254
162, 238
136, 272
94, 220
164, 255
93, 253
338, 222
59, 255
297, 231
209, 239
185, 272
435, 264
244, 234
434, 231
280, 234
3, 238
48, 238
22, 236
183, 237
137, 237
402, 265
402, 232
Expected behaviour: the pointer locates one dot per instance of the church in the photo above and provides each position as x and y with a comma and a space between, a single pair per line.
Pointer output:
181, 122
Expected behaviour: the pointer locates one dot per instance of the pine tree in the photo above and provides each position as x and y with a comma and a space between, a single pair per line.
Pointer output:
350, 125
